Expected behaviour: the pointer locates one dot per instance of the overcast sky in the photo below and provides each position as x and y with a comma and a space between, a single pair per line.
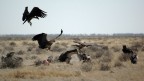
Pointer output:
74, 16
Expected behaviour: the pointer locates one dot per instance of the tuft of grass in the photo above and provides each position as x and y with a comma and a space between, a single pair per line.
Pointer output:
124, 57
105, 67
115, 48
118, 64
86, 67
29, 49
24, 43
57, 48
20, 52
9, 48
106, 57
12, 44
11, 62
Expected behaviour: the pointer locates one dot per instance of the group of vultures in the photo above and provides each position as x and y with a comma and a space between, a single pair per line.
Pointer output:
46, 44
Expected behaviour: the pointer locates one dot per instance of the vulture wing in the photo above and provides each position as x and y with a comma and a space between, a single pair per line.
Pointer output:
36, 12
25, 14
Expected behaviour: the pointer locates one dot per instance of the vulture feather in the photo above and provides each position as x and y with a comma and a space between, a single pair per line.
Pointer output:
35, 13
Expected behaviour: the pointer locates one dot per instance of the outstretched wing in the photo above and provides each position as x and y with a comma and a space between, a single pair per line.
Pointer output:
36, 12
25, 14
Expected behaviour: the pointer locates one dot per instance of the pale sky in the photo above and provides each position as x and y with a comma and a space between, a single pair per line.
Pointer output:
74, 16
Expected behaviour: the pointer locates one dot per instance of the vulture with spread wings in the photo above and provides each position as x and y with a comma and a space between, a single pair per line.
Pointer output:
35, 13
43, 42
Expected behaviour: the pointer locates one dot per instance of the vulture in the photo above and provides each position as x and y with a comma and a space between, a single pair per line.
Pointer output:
127, 50
43, 42
132, 55
66, 56
35, 13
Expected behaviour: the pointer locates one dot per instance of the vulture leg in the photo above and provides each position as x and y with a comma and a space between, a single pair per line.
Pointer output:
24, 21
30, 23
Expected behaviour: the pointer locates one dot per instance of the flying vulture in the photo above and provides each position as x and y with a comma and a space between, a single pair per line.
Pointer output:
35, 13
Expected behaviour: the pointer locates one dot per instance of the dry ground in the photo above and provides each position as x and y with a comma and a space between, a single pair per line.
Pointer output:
106, 64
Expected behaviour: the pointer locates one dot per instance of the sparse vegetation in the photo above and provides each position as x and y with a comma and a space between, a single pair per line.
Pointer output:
86, 67
12, 44
11, 61
124, 57
108, 62
105, 67
118, 64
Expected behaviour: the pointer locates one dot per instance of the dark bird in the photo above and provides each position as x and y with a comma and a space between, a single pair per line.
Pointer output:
134, 58
127, 50
43, 42
66, 56
35, 13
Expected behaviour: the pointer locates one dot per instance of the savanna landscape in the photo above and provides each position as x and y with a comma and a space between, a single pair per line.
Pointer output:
107, 64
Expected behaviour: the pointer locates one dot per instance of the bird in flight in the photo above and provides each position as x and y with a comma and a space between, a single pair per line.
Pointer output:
35, 13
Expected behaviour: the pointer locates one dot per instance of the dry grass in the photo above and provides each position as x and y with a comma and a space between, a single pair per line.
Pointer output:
107, 64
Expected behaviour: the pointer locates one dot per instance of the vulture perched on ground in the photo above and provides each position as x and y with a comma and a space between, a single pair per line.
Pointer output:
127, 50
43, 42
132, 55
35, 13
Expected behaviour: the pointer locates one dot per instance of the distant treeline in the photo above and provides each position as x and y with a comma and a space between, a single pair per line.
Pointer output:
68, 36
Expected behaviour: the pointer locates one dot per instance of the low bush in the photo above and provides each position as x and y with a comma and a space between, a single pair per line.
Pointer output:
86, 67
10, 61
124, 57
12, 44
105, 67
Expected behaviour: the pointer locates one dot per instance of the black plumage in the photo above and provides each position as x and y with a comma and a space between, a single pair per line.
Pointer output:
43, 42
35, 13
127, 50
66, 56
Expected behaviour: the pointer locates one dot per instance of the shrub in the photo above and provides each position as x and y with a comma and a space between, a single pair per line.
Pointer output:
124, 57
29, 49
116, 49
64, 44
9, 48
38, 62
25, 43
41, 51
142, 49
12, 44
11, 61
137, 44
99, 54
1, 50
86, 67
57, 48
106, 56
21, 52
105, 67
93, 48
34, 57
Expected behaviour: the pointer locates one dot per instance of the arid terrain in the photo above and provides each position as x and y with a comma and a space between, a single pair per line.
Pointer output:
106, 65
